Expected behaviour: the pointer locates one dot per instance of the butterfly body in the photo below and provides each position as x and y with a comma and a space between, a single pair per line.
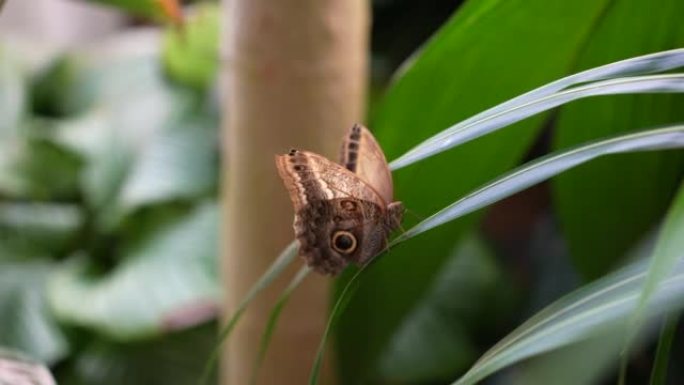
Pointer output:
343, 213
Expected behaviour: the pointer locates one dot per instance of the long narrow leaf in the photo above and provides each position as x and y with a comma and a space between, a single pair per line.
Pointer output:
598, 307
337, 309
668, 248
284, 259
645, 289
273, 320
521, 109
546, 167
667, 336
640, 65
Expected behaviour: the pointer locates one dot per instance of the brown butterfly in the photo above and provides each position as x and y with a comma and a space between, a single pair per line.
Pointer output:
343, 213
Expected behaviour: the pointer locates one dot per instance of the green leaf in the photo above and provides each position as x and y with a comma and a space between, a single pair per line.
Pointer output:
190, 54
12, 93
37, 229
584, 362
285, 258
662, 358
139, 127
511, 183
55, 91
166, 282
489, 51
646, 289
592, 82
182, 163
173, 360
668, 250
546, 167
273, 321
37, 169
27, 323
434, 341
595, 308
593, 202
145, 8
16, 368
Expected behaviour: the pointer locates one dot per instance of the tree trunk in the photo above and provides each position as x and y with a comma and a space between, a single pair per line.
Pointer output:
294, 75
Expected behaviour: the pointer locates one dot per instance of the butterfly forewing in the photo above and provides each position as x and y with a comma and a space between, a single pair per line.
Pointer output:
309, 176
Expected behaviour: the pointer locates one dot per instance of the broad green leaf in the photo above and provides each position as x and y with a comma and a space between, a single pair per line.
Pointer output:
433, 342
489, 51
174, 359
55, 91
144, 141
595, 201
182, 163
37, 229
16, 368
166, 282
27, 323
37, 169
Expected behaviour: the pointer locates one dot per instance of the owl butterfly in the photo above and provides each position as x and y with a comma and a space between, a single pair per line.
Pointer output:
344, 212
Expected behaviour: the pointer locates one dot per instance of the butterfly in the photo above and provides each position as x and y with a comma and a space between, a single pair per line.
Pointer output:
344, 212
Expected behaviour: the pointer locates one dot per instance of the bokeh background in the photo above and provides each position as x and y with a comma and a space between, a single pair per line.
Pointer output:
109, 183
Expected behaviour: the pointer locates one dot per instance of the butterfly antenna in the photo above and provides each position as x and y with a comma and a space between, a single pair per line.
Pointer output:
417, 216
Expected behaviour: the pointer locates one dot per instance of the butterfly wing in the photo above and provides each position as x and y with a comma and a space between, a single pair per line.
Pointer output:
310, 177
338, 217
362, 155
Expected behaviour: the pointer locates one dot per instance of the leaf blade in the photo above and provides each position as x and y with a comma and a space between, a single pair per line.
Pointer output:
594, 200
456, 74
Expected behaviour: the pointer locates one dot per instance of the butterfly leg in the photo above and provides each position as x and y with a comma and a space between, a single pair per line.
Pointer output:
395, 212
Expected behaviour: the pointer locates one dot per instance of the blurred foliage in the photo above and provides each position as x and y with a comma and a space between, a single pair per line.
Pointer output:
174, 360
27, 323
191, 51
108, 179
153, 9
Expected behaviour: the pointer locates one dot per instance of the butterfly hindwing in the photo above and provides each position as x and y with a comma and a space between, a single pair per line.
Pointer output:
361, 154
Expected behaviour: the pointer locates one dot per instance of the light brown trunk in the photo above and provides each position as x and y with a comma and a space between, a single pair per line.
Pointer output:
294, 75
